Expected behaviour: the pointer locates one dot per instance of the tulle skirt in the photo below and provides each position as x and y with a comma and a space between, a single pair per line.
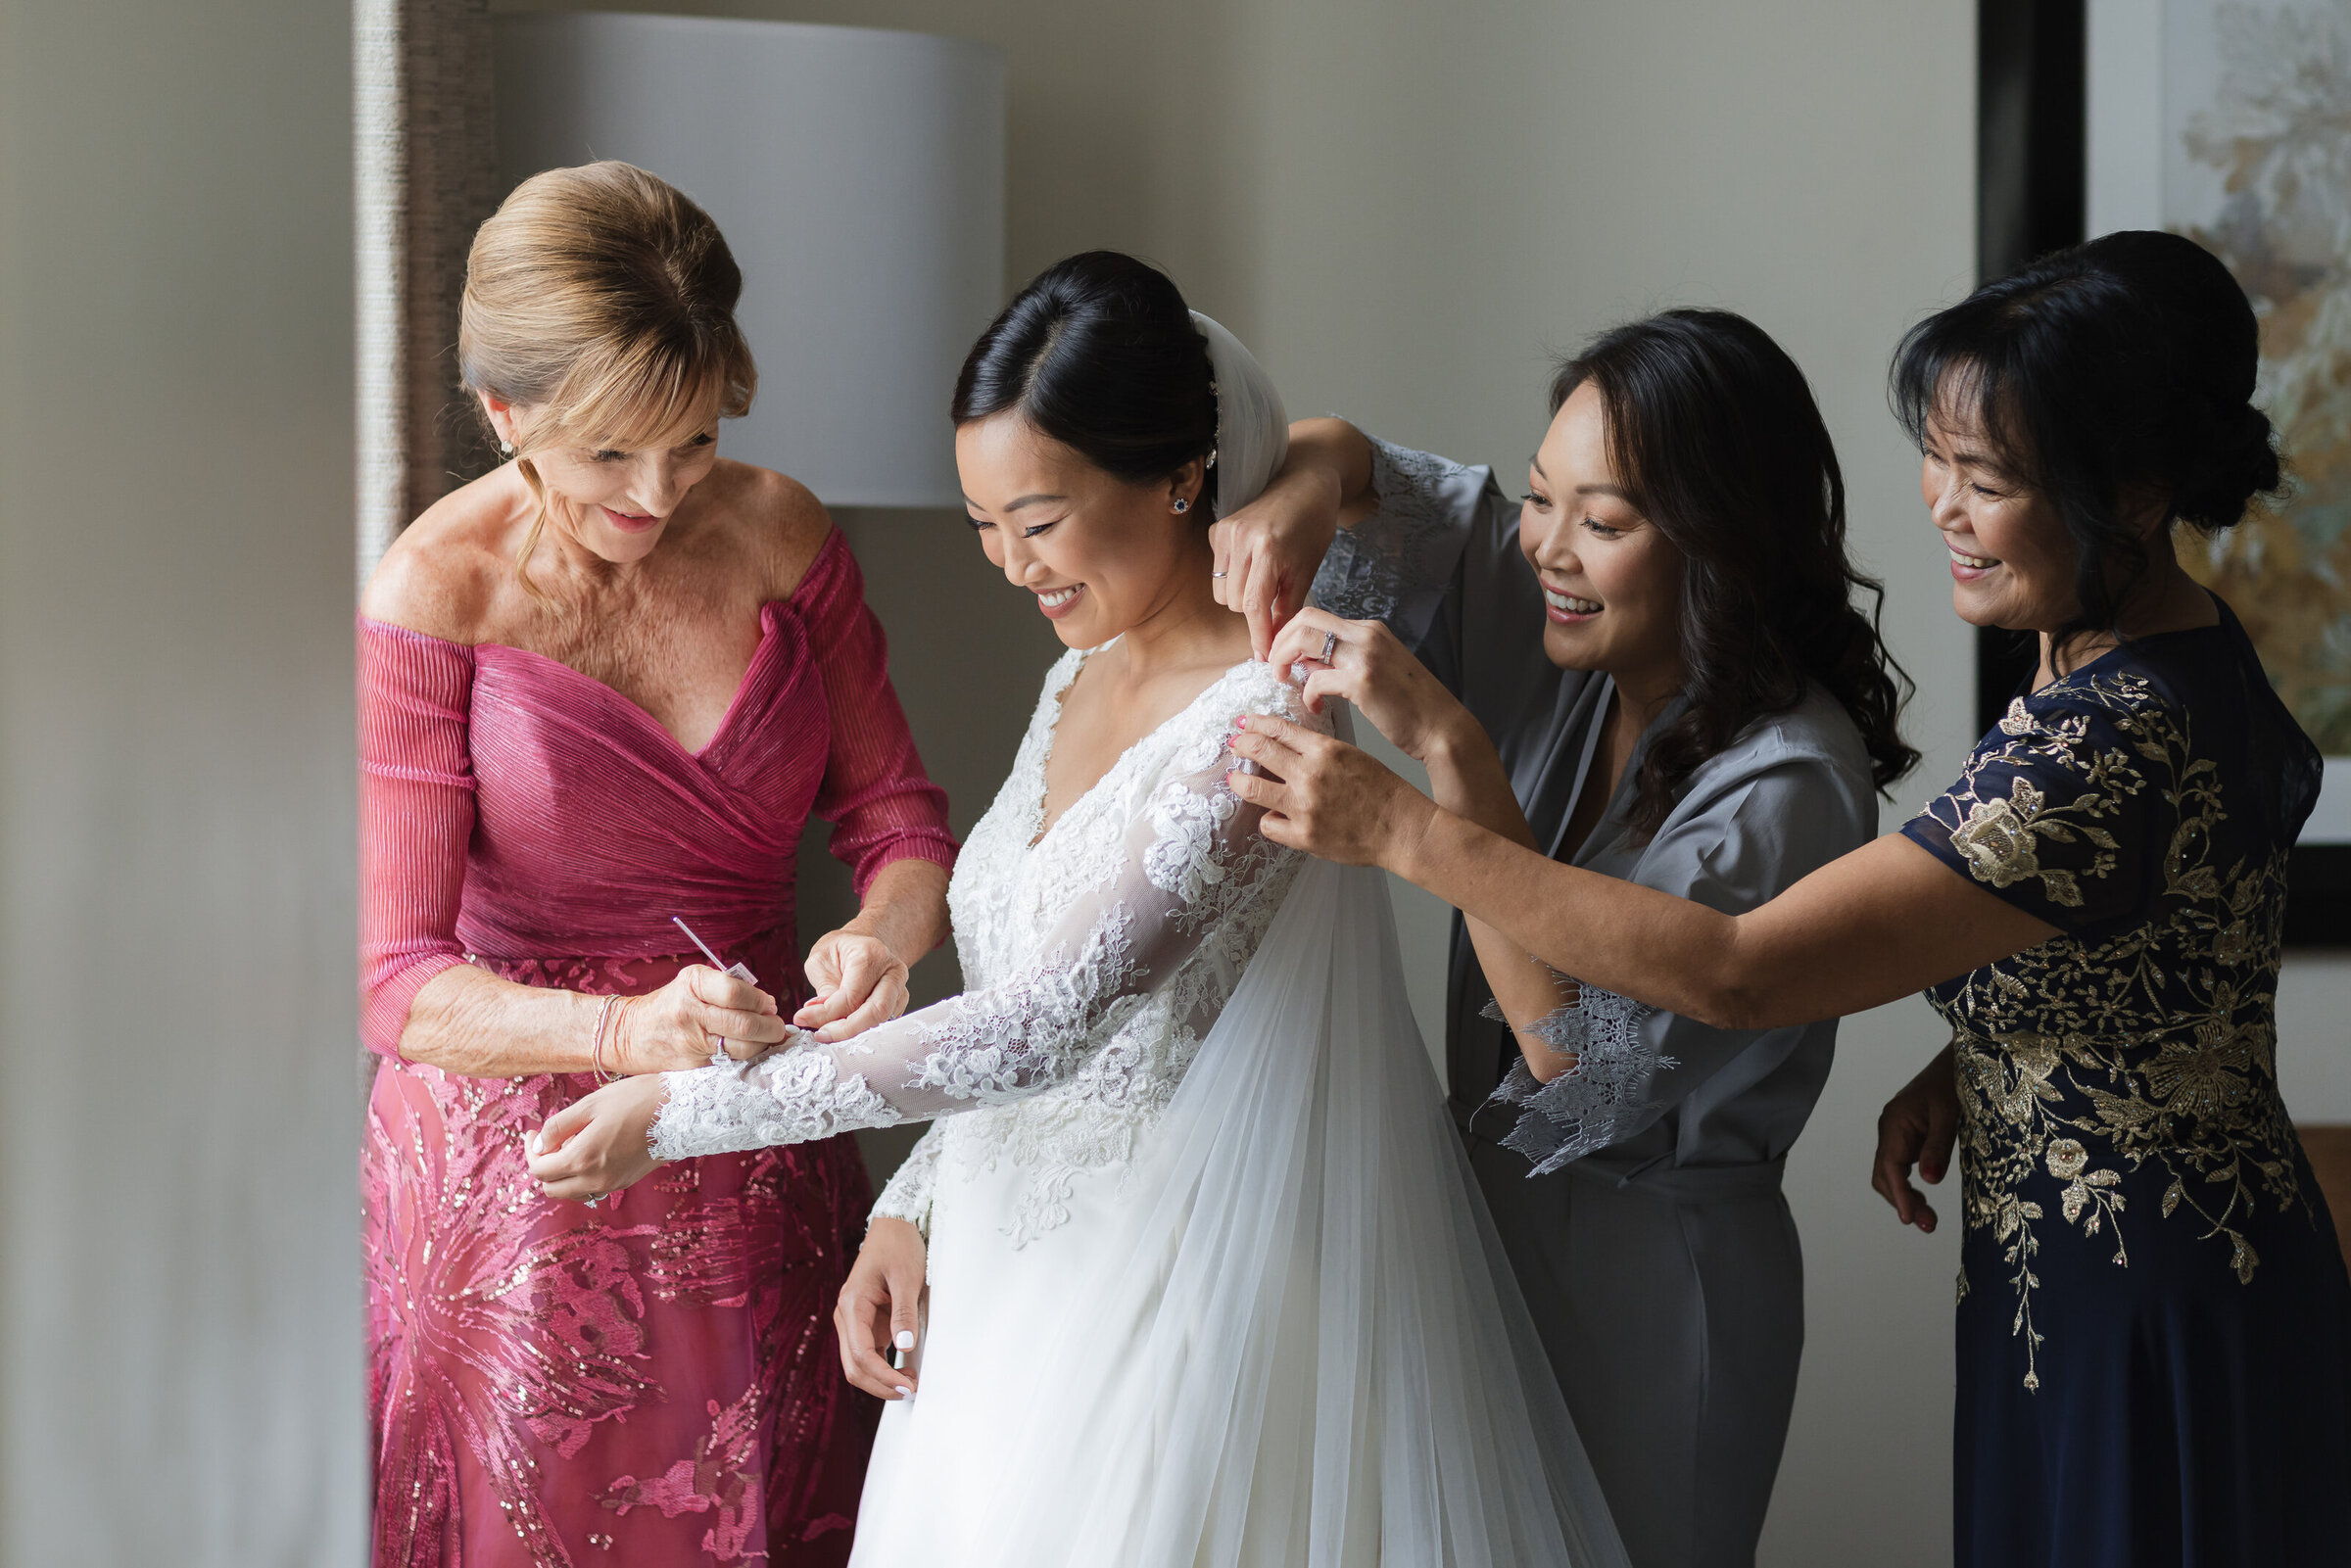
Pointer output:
1283, 1334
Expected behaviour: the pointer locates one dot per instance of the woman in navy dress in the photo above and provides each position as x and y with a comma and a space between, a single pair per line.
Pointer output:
2154, 1323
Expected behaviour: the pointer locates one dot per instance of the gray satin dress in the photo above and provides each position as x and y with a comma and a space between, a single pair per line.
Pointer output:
1639, 1195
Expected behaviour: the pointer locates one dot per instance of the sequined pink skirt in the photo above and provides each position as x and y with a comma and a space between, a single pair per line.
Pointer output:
651, 1381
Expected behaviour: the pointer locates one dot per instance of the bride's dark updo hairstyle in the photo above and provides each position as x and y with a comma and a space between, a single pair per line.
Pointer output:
1099, 353
1713, 432
2123, 363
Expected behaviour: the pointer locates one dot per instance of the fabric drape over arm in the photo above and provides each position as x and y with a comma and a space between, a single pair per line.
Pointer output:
1190, 855
416, 813
883, 805
1735, 844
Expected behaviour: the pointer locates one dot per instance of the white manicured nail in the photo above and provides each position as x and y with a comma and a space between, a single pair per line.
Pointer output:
905, 1339
905, 1393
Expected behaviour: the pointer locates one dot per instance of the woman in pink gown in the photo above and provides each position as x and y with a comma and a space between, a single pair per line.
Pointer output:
604, 686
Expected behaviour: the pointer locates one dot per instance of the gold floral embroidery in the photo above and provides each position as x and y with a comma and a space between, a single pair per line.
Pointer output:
2145, 1054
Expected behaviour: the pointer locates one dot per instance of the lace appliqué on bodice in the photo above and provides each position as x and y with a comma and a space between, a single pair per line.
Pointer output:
1095, 956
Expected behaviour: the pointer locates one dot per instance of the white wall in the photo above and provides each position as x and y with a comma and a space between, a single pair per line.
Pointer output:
179, 1345
1406, 208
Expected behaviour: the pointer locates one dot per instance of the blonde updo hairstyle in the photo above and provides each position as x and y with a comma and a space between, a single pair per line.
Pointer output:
599, 304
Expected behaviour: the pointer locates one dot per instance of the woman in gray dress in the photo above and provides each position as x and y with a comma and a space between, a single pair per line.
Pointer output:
1660, 641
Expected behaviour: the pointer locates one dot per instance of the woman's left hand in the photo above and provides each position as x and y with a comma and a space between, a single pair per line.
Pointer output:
601, 1142
1369, 668
858, 981
1325, 796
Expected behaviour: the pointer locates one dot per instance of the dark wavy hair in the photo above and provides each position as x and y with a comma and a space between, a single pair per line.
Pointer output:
2125, 362
1715, 434
1099, 351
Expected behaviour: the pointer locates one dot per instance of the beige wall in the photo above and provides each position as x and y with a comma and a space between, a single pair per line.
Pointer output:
179, 1344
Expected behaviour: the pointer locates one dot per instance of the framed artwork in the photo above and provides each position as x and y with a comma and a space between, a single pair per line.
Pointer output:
2230, 122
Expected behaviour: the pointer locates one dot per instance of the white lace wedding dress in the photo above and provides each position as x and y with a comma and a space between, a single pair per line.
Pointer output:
1208, 1282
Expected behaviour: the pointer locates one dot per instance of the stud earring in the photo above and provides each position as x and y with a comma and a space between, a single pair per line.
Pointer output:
1182, 506
505, 449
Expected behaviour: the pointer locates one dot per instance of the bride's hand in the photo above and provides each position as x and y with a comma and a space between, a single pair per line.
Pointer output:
1333, 800
598, 1143
858, 981
1370, 669
881, 1305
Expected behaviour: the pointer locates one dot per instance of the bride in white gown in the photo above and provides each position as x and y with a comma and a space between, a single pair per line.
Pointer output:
1209, 1284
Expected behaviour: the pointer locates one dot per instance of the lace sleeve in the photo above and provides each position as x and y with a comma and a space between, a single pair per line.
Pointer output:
1766, 817
1190, 855
1396, 564
907, 1195
1605, 1097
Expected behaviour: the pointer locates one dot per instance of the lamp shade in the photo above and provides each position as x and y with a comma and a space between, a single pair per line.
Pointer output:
858, 176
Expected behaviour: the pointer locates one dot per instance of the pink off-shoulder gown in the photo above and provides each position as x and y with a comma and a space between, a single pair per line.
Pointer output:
651, 1382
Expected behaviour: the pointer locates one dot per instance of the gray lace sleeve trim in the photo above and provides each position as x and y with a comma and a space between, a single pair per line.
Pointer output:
1398, 555
1597, 1101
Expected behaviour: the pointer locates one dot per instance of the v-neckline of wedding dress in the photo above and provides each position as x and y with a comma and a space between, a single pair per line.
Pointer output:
1039, 829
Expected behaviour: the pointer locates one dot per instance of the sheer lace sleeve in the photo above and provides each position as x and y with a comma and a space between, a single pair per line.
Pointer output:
1397, 564
1190, 855
1618, 1047
907, 1195
416, 808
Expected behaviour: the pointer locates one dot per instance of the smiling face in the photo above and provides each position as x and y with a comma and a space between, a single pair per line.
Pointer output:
1612, 581
2012, 561
613, 502
1101, 554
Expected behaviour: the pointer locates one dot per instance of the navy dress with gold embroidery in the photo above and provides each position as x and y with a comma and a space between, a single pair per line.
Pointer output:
2154, 1335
